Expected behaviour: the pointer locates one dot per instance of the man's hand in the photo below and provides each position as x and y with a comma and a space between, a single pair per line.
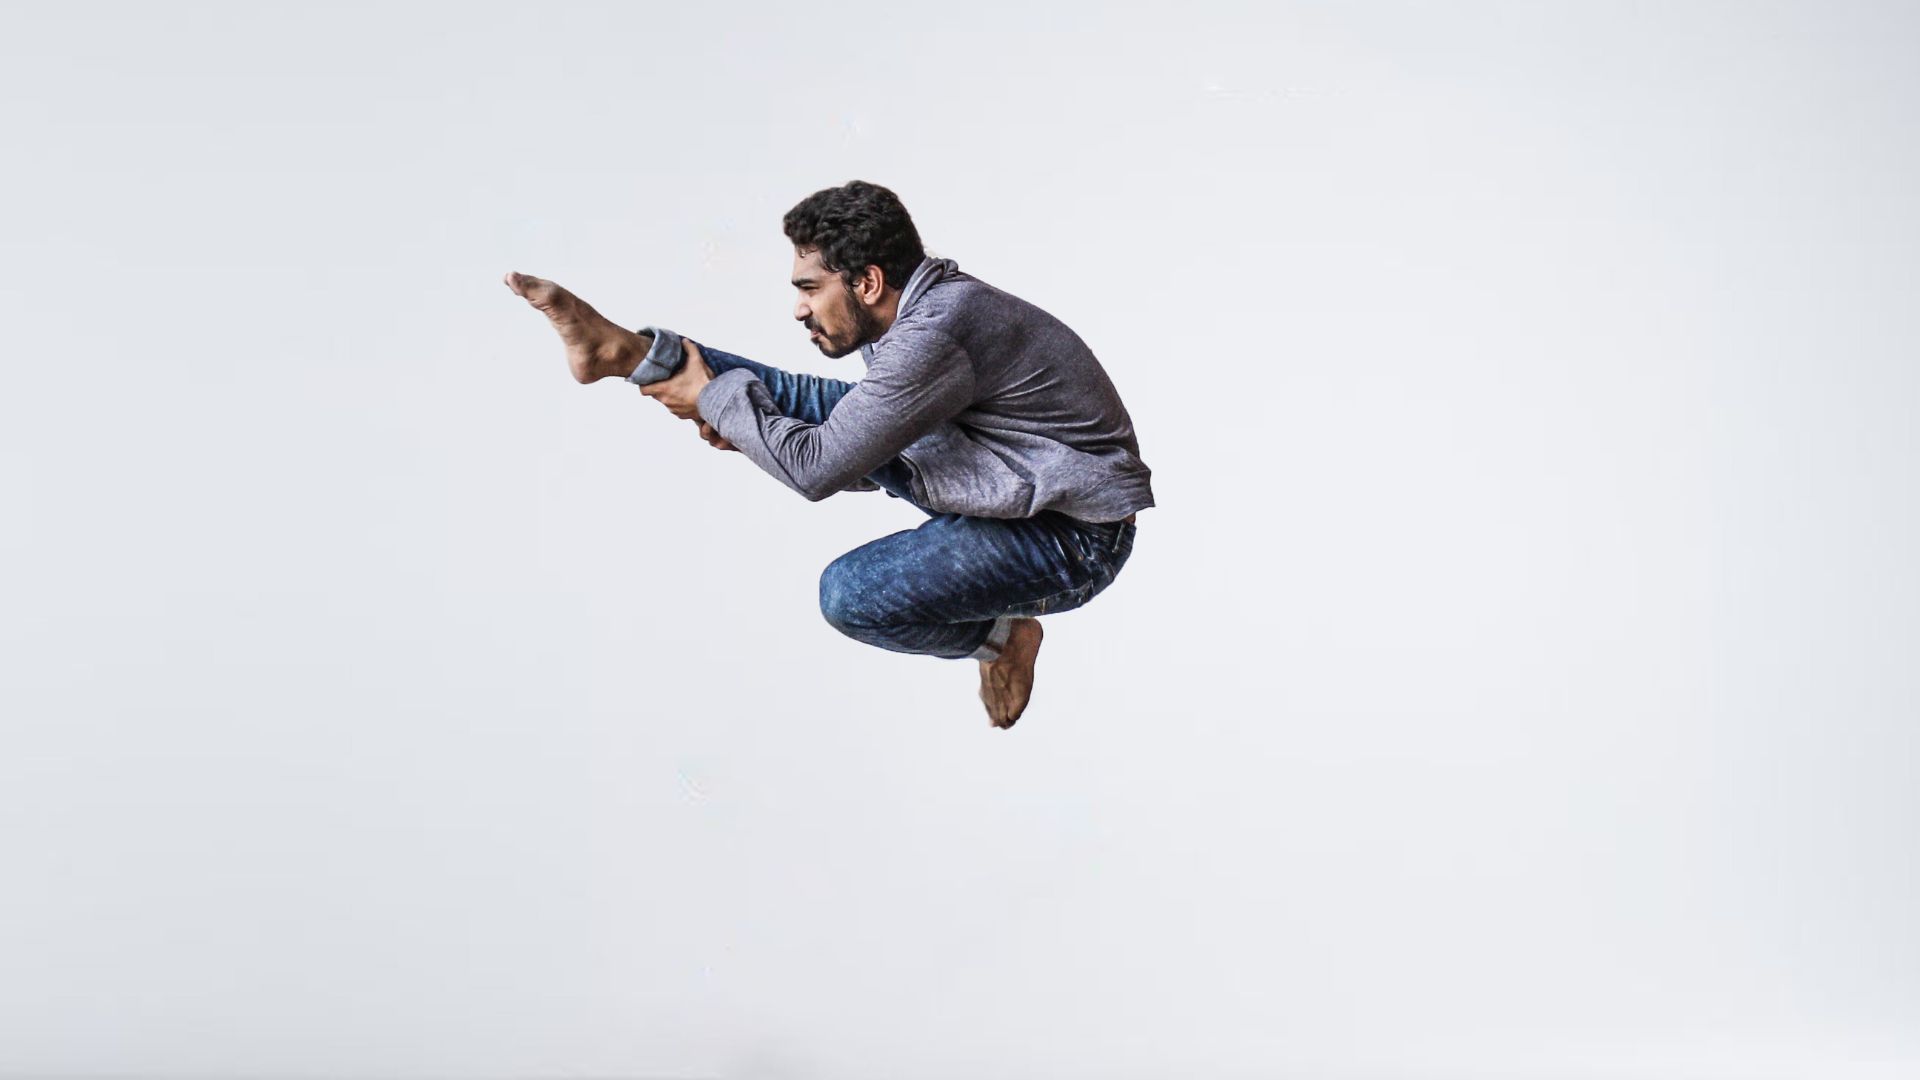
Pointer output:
681, 394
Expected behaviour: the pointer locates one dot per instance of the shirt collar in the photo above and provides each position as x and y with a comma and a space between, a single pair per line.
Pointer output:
924, 276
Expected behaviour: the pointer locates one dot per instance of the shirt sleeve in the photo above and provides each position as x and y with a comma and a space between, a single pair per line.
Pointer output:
918, 379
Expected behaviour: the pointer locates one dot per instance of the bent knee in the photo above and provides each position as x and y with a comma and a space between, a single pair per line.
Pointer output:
840, 596
853, 597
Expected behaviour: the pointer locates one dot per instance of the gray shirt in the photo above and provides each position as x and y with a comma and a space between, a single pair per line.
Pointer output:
996, 407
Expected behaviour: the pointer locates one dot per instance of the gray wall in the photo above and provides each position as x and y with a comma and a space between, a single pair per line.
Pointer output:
1517, 678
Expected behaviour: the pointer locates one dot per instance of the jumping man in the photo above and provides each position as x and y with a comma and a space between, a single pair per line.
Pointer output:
979, 408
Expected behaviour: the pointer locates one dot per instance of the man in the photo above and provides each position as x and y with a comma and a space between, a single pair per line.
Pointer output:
979, 408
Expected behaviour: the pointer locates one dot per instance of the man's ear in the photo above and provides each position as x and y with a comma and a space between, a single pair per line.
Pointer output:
871, 285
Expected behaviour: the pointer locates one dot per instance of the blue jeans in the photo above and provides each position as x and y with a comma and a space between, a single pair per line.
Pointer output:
953, 586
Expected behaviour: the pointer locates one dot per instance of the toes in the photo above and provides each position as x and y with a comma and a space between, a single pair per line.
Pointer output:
987, 698
537, 291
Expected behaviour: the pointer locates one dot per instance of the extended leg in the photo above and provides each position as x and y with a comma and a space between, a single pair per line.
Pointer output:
597, 349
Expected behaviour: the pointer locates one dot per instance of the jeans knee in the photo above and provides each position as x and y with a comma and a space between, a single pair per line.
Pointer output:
839, 596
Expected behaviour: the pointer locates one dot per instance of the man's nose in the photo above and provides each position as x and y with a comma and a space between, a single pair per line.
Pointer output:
801, 311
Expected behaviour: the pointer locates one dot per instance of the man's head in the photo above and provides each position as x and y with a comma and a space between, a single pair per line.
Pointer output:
854, 247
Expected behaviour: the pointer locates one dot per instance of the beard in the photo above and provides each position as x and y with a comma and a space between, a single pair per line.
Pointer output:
866, 328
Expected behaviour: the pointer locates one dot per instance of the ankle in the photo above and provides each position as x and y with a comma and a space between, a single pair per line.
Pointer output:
621, 357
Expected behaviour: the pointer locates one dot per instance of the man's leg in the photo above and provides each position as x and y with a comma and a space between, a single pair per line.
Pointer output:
971, 587
597, 348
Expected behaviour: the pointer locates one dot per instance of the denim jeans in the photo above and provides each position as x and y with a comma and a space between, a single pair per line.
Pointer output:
952, 586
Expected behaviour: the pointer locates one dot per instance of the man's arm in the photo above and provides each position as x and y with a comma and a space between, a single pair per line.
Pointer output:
918, 379
807, 397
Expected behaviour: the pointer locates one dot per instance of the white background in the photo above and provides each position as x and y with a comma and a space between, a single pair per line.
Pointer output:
1517, 677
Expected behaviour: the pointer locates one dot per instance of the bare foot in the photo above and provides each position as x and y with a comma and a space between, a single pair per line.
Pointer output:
596, 348
1007, 683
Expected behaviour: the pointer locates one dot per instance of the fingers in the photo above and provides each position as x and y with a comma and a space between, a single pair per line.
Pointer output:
657, 392
694, 356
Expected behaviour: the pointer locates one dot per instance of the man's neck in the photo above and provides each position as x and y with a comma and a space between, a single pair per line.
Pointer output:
888, 309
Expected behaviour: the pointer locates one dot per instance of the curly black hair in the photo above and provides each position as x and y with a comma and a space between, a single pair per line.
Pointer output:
857, 225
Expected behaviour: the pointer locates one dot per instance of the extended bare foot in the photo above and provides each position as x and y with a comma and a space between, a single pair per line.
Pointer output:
1007, 683
596, 348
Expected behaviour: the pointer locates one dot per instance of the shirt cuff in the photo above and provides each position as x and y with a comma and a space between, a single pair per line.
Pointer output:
714, 396
662, 360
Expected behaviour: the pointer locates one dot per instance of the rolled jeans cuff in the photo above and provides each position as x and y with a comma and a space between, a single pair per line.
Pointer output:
996, 640
662, 360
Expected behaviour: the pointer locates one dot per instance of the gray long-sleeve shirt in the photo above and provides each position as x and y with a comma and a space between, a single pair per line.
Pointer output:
997, 408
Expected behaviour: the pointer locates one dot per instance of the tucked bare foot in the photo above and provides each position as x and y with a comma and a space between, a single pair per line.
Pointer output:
1007, 683
596, 348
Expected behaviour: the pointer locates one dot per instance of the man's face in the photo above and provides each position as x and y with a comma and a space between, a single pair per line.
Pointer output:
839, 322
